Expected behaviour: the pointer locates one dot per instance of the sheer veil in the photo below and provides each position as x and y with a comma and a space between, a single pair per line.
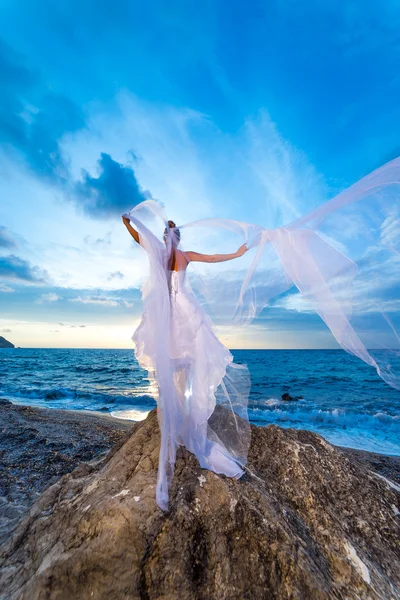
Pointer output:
341, 261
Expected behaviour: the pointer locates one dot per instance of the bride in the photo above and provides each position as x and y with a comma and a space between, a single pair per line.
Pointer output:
176, 343
343, 257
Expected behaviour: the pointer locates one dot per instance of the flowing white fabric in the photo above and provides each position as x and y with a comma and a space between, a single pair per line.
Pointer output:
343, 258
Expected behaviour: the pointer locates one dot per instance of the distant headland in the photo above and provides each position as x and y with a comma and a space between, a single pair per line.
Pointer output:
5, 343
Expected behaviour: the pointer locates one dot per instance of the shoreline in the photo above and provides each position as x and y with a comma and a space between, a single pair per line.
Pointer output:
72, 411
61, 412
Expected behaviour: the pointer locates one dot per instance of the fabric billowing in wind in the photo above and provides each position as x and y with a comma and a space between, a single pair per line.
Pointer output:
342, 260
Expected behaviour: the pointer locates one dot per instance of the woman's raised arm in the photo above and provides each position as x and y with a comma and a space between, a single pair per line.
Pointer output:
131, 230
214, 258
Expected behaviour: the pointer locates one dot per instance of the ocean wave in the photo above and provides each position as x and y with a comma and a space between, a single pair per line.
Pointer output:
378, 432
87, 369
79, 399
106, 369
338, 418
130, 414
272, 402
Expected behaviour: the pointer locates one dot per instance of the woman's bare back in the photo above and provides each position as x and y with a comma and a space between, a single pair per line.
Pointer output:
179, 261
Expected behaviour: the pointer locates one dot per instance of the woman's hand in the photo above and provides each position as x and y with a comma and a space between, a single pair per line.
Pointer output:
241, 250
131, 230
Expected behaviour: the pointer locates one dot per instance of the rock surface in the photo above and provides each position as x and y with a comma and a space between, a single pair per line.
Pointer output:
288, 398
305, 521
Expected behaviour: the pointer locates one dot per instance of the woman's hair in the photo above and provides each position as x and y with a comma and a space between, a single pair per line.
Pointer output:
176, 232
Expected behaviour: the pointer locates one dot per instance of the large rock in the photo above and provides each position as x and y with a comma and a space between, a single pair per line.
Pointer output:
306, 521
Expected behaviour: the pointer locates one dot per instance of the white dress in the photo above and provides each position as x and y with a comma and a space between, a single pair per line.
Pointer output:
202, 372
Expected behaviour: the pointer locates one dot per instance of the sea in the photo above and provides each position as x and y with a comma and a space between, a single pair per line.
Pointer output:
340, 397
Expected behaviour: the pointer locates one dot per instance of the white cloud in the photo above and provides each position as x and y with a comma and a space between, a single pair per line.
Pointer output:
390, 229
103, 300
197, 170
50, 297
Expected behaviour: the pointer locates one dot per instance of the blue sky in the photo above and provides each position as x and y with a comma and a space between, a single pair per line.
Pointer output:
256, 111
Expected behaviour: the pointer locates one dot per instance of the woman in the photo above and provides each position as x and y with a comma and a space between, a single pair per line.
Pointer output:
343, 257
176, 343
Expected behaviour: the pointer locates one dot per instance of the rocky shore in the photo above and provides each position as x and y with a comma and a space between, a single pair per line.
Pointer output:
308, 520
38, 446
